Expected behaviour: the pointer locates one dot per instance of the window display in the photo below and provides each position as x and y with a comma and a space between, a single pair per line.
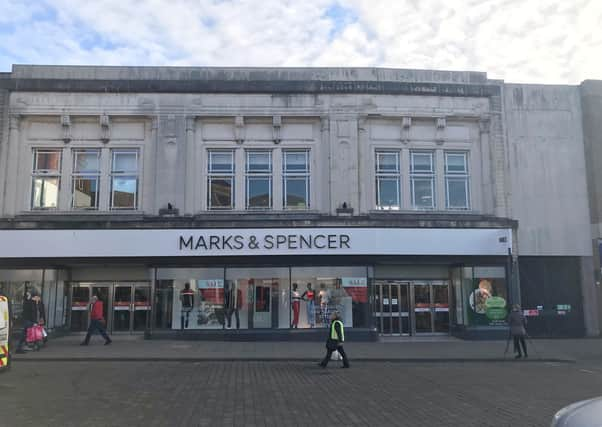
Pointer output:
487, 295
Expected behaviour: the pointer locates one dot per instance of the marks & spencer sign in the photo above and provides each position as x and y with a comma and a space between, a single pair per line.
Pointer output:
250, 242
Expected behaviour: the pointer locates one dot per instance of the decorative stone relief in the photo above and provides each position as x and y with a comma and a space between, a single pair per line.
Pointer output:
440, 130
277, 127
170, 129
406, 123
239, 129
66, 126
105, 128
484, 124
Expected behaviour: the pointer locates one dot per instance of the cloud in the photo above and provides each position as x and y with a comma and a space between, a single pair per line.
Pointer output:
514, 40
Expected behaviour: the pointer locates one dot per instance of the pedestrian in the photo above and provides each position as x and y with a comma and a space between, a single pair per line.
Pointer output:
97, 321
29, 317
39, 312
335, 340
518, 324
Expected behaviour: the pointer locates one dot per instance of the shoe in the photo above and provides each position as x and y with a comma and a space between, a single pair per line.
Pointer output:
344, 367
526, 356
83, 343
108, 342
321, 365
20, 351
518, 356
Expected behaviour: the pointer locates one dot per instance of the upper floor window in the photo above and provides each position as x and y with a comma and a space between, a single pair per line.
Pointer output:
221, 179
124, 179
85, 179
457, 180
259, 180
422, 178
295, 179
46, 178
387, 180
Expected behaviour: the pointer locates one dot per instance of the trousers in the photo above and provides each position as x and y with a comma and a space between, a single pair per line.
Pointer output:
520, 339
96, 325
329, 352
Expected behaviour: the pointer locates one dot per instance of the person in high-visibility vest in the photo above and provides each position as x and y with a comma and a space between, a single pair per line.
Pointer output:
336, 338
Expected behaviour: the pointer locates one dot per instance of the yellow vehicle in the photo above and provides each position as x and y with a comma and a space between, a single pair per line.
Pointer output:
4, 333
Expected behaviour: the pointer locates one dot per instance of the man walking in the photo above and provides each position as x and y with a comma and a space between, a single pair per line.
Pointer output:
97, 321
518, 324
335, 340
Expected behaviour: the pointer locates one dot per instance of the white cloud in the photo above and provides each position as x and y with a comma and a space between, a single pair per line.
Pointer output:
515, 40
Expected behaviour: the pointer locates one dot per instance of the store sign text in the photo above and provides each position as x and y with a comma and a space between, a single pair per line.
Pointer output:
216, 242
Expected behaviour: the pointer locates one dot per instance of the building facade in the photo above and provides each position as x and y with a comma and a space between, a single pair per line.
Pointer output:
412, 202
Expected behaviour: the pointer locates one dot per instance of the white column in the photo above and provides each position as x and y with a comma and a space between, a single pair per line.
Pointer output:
440, 190
239, 179
366, 180
104, 201
277, 187
406, 185
487, 169
66, 184
190, 189
151, 204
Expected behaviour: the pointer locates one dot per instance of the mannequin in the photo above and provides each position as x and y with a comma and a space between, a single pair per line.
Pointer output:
296, 304
324, 295
309, 296
187, 300
232, 304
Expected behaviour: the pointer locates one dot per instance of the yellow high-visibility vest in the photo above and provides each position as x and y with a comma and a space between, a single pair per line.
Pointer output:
333, 332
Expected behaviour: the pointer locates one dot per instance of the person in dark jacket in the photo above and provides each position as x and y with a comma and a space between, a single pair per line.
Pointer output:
29, 316
336, 338
518, 323
97, 321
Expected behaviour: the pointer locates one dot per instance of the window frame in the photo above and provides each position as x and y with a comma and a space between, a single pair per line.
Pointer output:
267, 173
75, 175
45, 173
451, 176
296, 175
381, 175
215, 175
421, 176
124, 174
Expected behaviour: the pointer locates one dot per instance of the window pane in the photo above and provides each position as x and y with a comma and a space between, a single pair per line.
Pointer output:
296, 161
422, 162
259, 192
387, 162
388, 194
45, 192
259, 162
86, 161
125, 190
125, 161
48, 160
456, 163
296, 192
423, 193
220, 193
85, 193
457, 193
221, 161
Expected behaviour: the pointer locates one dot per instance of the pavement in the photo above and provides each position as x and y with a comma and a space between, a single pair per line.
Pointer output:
429, 349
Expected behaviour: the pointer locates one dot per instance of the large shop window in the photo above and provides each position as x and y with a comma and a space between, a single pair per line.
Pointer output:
46, 178
422, 177
124, 179
387, 180
221, 179
296, 174
485, 296
260, 298
259, 180
85, 179
457, 180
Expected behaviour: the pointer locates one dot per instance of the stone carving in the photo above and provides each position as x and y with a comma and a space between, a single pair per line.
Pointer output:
440, 132
406, 123
484, 124
277, 127
105, 128
66, 125
239, 129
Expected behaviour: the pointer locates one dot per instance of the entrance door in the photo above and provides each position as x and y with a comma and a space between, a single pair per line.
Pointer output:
392, 308
81, 298
431, 307
131, 307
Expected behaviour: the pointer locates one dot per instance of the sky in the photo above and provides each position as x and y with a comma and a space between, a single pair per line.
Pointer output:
519, 41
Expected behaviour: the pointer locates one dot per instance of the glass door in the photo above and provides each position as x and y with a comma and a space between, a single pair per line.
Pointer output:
391, 308
122, 308
441, 307
423, 319
142, 307
80, 307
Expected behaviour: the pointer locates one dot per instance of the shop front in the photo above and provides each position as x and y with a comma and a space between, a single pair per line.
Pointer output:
252, 283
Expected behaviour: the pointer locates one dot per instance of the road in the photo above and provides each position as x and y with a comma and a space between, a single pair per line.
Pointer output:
291, 394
